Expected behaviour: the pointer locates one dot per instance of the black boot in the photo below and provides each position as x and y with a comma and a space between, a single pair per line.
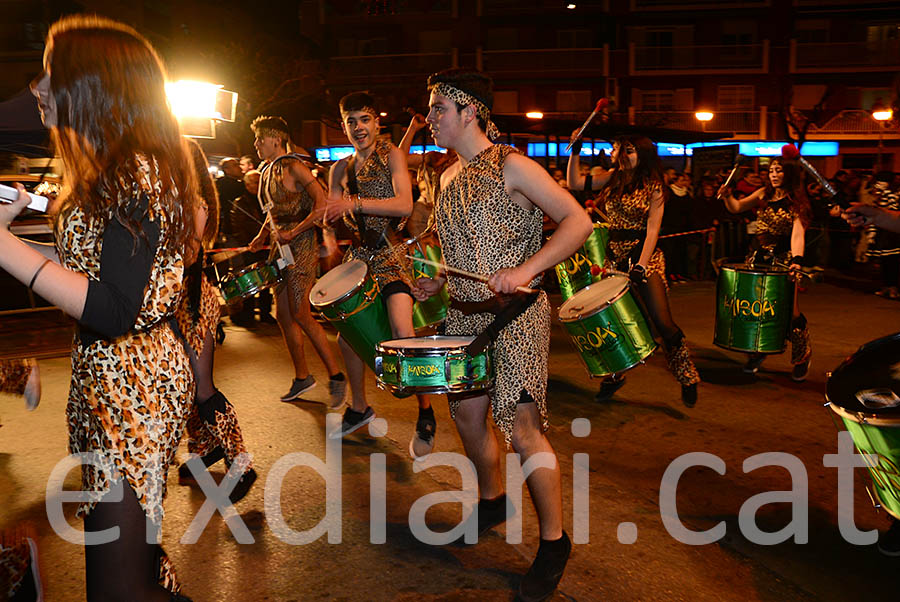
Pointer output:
541, 580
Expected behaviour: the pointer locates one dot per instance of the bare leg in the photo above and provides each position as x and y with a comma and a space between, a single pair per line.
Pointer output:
543, 483
356, 373
292, 333
400, 306
316, 334
480, 443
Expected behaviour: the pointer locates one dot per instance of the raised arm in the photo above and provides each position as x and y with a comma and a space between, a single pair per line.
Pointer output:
415, 125
745, 204
530, 185
575, 181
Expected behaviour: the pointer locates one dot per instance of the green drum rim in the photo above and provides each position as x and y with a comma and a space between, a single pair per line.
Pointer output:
396, 356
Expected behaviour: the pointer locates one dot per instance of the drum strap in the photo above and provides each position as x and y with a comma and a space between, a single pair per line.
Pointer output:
505, 308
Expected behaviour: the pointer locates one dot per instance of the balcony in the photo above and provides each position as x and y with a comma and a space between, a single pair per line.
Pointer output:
387, 67
731, 122
558, 62
852, 124
685, 60
845, 57
677, 5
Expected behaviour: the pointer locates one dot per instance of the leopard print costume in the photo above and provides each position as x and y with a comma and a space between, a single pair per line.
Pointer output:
389, 263
630, 212
129, 396
289, 209
14, 375
203, 437
15, 558
482, 230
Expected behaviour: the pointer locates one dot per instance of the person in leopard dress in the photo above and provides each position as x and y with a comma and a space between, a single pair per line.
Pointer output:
121, 233
783, 215
634, 198
371, 192
489, 217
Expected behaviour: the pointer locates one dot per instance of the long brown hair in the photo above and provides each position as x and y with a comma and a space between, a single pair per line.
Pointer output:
792, 184
109, 87
647, 172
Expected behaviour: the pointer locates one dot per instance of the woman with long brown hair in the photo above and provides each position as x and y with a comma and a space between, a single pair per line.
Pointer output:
784, 214
634, 198
127, 214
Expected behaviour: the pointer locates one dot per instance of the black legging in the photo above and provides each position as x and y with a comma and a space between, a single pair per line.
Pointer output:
656, 300
127, 568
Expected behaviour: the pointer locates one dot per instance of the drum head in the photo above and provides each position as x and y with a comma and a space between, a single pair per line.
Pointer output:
868, 382
432, 342
335, 284
592, 298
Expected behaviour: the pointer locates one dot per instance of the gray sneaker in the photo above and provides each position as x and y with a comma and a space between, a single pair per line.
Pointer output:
336, 390
299, 387
352, 421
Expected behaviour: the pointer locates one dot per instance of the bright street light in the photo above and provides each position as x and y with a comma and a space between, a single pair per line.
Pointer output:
703, 115
534, 115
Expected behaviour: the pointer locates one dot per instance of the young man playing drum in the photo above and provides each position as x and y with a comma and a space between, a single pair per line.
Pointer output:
489, 219
297, 204
371, 191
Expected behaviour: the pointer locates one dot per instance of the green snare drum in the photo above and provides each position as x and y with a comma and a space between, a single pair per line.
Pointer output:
864, 391
350, 299
575, 272
435, 364
607, 326
434, 309
250, 281
753, 308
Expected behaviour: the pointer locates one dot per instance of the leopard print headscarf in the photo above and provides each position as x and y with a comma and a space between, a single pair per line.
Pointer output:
460, 97
370, 110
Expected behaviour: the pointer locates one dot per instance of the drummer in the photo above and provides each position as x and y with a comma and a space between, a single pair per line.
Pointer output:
371, 191
298, 202
489, 219
783, 215
635, 202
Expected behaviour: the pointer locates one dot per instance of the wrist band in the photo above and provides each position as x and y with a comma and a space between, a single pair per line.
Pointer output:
357, 204
36, 272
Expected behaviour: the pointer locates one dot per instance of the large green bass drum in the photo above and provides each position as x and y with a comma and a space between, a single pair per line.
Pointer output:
753, 308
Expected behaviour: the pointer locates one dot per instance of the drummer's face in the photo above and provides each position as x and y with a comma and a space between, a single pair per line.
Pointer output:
776, 175
266, 147
629, 157
361, 128
444, 120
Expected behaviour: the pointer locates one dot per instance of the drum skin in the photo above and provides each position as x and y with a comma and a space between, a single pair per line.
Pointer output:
434, 309
359, 315
575, 272
864, 391
611, 337
436, 368
753, 309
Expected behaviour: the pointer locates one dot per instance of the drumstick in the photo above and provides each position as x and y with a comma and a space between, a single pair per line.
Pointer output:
467, 274
601, 104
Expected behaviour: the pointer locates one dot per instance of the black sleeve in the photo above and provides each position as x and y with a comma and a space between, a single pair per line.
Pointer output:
113, 303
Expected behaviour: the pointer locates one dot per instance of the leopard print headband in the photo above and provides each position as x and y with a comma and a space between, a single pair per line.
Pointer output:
460, 97
369, 110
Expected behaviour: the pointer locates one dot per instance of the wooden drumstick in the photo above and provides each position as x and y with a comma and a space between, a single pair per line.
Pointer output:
467, 274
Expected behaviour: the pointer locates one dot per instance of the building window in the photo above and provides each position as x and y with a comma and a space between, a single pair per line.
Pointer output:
813, 31
575, 38
573, 101
657, 100
736, 98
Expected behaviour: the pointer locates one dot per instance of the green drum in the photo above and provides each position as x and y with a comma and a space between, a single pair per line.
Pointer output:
607, 327
435, 364
578, 271
434, 309
350, 299
249, 281
864, 391
753, 308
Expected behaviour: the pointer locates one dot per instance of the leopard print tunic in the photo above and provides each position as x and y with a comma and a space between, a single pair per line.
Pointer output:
129, 396
389, 264
15, 558
202, 437
630, 211
289, 209
774, 225
482, 230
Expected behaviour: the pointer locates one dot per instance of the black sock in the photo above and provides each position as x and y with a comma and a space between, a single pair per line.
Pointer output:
493, 503
338, 376
426, 412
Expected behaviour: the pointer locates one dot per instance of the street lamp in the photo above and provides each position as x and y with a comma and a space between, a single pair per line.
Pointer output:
534, 115
703, 116
881, 113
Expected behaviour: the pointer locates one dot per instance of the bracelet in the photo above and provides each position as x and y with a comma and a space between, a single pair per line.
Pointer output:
36, 272
357, 204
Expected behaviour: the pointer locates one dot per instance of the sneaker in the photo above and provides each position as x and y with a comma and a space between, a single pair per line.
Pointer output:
243, 486
800, 371
689, 395
299, 387
423, 439
546, 571
352, 421
754, 361
186, 477
889, 541
337, 389
610, 385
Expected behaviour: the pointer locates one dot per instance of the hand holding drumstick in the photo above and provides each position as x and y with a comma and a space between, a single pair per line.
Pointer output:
502, 281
